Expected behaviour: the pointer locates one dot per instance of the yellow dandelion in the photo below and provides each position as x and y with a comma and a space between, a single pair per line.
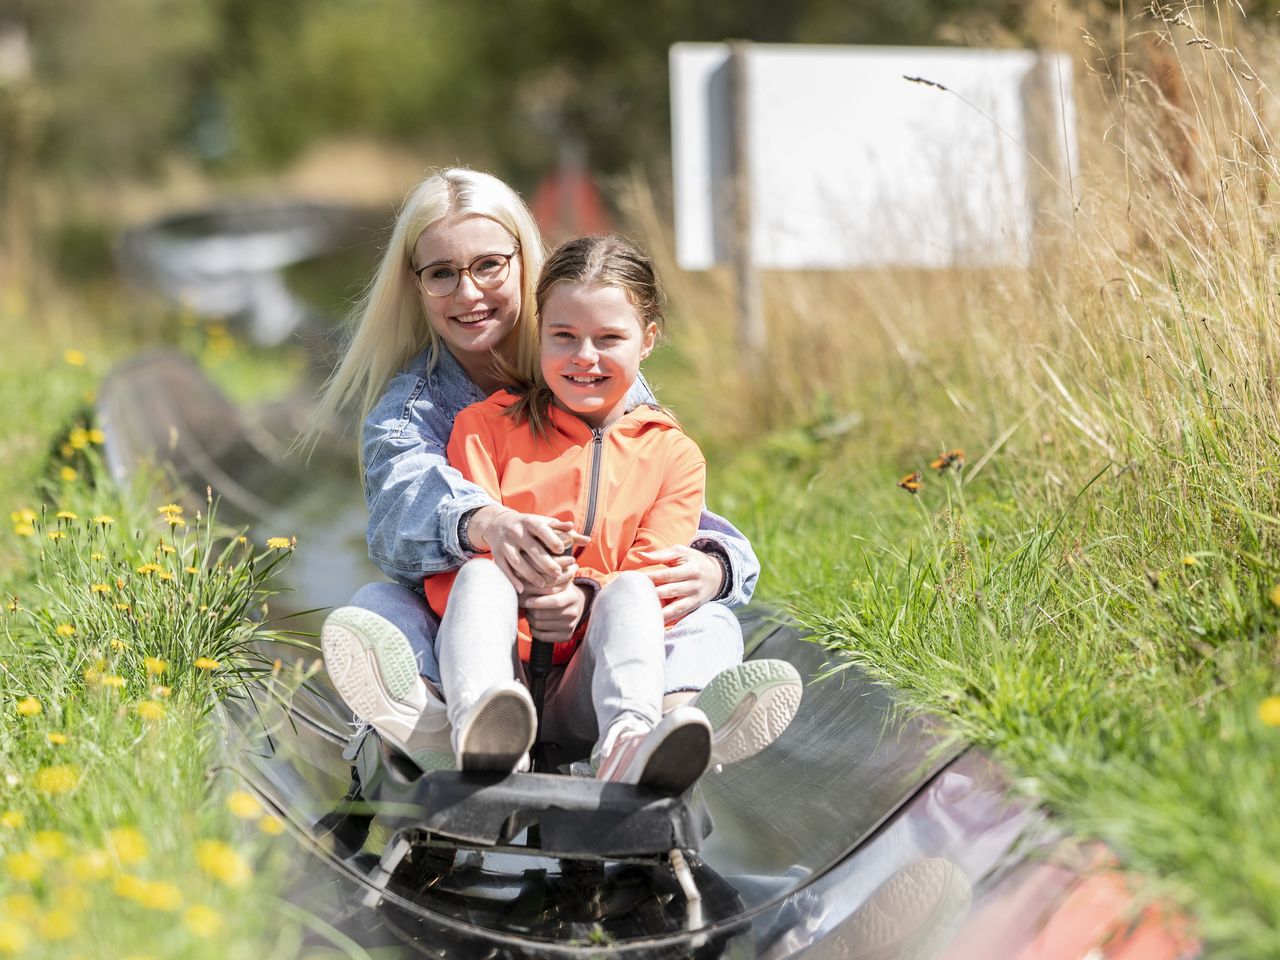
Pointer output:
65, 451
74, 357
23, 867
207, 663
91, 865
123, 607
204, 922
23, 515
78, 438
128, 885
65, 630
272, 826
155, 666
160, 895
13, 605
222, 862
24, 530
119, 583
14, 938
97, 557
50, 844
112, 681
1269, 711
56, 739
97, 437
149, 568
29, 707
104, 520
244, 804
164, 575
59, 778
127, 845
191, 570
1275, 594
67, 515
166, 548
57, 924
56, 535
19, 906
170, 508
12, 819
159, 691
1189, 561
118, 645
150, 710
99, 588
68, 474
278, 543
93, 674
175, 521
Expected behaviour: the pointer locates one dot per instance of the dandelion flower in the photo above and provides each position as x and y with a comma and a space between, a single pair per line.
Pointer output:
65, 630
191, 570
13, 605
74, 357
279, 543
99, 588
204, 922
160, 895
67, 515
155, 666
272, 826
50, 844
56, 739
166, 548
113, 681
12, 819
1189, 561
68, 474
118, 645
149, 568
164, 575
221, 861
56, 924
14, 938
97, 437
170, 508
129, 886
127, 845
24, 530
78, 438
59, 778
97, 557
122, 607
119, 583
104, 520
150, 710
56, 535
207, 663
23, 515
244, 804
175, 521
23, 866
19, 906
1269, 711
91, 865
1275, 594
29, 707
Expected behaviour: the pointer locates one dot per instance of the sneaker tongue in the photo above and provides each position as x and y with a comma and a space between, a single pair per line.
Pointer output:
619, 729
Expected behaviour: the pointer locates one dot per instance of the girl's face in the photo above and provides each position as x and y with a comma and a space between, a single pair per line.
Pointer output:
472, 321
592, 343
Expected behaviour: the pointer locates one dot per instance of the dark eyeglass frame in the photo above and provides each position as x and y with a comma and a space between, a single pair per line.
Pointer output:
506, 260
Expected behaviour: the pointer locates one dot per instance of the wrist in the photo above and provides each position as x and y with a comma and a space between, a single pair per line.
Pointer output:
717, 553
479, 525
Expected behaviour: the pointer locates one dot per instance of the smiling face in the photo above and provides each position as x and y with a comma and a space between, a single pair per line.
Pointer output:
471, 321
592, 343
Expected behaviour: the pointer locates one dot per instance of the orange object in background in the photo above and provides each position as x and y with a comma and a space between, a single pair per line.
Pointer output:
567, 202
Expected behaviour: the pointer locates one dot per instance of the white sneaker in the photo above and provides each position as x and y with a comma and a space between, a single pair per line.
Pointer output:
495, 735
749, 705
373, 668
671, 756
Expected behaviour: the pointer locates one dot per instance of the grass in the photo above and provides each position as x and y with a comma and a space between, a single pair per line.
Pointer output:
1095, 595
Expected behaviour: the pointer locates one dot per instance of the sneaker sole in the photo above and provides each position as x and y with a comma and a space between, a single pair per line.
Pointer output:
500, 734
750, 707
679, 761
374, 671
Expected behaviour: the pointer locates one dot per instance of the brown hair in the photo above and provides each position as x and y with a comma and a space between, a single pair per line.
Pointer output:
607, 261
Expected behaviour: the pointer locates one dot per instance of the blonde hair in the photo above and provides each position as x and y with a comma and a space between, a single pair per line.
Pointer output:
605, 261
390, 327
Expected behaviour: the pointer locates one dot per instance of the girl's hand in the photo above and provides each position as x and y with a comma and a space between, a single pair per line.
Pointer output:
554, 616
525, 546
688, 580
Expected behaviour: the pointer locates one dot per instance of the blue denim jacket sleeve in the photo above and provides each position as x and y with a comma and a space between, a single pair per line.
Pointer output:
415, 498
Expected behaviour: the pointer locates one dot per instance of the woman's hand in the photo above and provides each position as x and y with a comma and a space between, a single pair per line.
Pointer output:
526, 547
688, 579
554, 616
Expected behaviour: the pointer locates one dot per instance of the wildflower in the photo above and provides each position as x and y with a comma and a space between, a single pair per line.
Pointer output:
244, 804
20, 906
97, 557
104, 520
1275, 594
166, 548
1189, 561
204, 922
68, 474
66, 515
149, 568
24, 530
56, 779
155, 666
56, 739
150, 710
123, 607
175, 521
13, 605
78, 438
128, 885
160, 895
99, 588
23, 866
93, 674
56, 535
29, 707
242, 540
91, 865
119, 583
56, 924
12, 819
118, 645
172, 509
14, 937
50, 844
191, 570
23, 515
65, 630
159, 691
271, 825
112, 681
97, 437
207, 663
279, 543
127, 845
74, 357
164, 575
222, 862
1269, 711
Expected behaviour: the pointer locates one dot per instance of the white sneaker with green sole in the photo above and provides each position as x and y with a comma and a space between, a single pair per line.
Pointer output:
749, 705
373, 668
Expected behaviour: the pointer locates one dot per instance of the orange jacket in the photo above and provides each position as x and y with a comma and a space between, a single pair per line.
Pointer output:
635, 485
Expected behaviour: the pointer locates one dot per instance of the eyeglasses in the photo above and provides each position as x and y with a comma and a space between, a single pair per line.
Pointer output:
486, 272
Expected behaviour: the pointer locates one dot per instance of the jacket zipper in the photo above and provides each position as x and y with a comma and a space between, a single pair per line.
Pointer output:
597, 455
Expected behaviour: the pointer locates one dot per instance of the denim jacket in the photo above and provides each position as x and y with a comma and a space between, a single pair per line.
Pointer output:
416, 499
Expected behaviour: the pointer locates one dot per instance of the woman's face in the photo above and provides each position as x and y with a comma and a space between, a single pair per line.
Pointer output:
471, 320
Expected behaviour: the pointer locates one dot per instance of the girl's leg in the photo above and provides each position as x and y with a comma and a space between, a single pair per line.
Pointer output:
408, 611
490, 711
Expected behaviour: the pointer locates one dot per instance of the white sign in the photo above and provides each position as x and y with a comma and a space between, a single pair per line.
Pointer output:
853, 165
